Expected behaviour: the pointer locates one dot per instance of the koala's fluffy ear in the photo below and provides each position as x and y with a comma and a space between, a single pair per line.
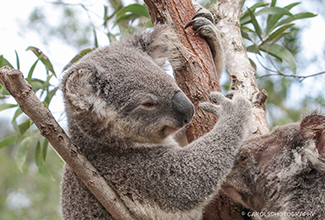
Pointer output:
77, 88
313, 127
164, 43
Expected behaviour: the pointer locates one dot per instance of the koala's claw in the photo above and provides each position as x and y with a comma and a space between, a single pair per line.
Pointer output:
236, 104
219, 98
211, 108
206, 14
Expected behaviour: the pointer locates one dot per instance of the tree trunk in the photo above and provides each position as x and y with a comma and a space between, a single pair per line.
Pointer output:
198, 77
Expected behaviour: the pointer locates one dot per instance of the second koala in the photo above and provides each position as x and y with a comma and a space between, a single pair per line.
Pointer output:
281, 175
123, 110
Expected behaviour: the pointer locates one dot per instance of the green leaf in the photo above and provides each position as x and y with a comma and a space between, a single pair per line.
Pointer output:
280, 53
8, 141
78, 57
22, 152
275, 36
36, 84
17, 60
107, 18
4, 62
256, 25
49, 96
273, 19
253, 49
42, 169
298, 16
4, 92
17, 113
23, 127
45, 60
245, 18
44, 149
31, 70
134, 8
273, 11
95, 38
6, 106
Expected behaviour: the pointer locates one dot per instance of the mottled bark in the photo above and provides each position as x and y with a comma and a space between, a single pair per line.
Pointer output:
241, 73
21, 90
194, 75
197, 76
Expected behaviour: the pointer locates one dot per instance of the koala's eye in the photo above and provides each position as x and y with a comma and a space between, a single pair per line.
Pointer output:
148, 105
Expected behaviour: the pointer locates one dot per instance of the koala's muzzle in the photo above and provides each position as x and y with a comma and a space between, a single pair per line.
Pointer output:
183, 108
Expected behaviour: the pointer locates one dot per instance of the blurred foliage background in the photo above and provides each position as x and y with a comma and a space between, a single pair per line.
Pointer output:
30, 169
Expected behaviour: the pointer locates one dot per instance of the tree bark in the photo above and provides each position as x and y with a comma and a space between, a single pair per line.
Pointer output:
242, 77
238, 66
197, 81
197, 76
21, 90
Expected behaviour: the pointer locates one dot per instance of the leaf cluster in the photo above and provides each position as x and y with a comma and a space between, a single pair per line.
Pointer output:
267, 38
26, 135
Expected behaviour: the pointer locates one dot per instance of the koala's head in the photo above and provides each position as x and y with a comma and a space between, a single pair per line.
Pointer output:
123, 92
270, 168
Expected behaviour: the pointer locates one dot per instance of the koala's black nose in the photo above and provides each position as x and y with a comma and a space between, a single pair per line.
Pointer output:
183, 108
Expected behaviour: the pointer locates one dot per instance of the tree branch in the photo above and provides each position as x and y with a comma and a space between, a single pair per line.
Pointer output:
242, 74
21, 90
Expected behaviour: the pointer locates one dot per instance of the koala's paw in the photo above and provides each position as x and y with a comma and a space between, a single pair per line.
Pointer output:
203, 24
235, 106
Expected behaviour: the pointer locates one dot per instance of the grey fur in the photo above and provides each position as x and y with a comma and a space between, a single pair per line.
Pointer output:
122, 110
282, 174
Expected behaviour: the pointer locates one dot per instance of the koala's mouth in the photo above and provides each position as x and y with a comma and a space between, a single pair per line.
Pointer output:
168, 130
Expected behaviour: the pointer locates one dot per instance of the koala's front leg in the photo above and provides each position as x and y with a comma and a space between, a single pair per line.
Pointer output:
203, 23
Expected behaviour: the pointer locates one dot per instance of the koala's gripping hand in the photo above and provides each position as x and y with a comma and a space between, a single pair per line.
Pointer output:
204, 24
235, 112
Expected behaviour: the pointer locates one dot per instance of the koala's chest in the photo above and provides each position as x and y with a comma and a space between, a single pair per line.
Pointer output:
133, 182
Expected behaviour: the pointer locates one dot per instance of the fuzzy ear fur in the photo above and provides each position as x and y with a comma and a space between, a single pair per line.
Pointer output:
77, 88
313, 127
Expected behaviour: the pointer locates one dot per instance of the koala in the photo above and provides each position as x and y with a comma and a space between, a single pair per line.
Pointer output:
123, 110
281, 175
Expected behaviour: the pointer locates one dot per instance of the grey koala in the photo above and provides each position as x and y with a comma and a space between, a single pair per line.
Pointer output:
281, 175
123, 110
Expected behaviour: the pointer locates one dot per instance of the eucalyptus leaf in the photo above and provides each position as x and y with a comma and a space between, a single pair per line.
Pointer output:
7, 106
276, 35
44, 148
42, 169
17, 60
273, 11
8, 141
23, 127
245, 18
22, 151
45, 60
78, 57
133, 8
4, 62
31, 71
298, 16
281, 53
256, 25
273, 19
49, 96
17, 113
